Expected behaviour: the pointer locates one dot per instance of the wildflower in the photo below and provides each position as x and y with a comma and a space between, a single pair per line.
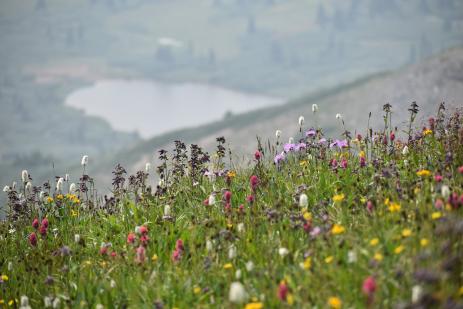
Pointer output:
47, 301
288, 147
329, 259
25, 176
438, 178
405, 150
378, 257
351, 256
35, 223
227, 196
72, 188
28, 187
24, 302
460, 169
196, 290
303, 200
307, 263
423, 173
406, 232
310, 133
211, 200
291, 140
237, 294
232, 252
279, 157
417, 292
254, 305
56, 303
427, 132
314, 108
277, 134
228, 266
10, 266
334, 302
283, 252
338, 198
140, 258
131, 238
424, 242
301, 120
282, 291
340, 144
399, 249
49, 199
240, 227
338, 116
369, 286
84, 161
249, 266
254, 181
436, 215
33, 239
363, 162
374, 242
257, 155
337, 229
394, 207
4, 278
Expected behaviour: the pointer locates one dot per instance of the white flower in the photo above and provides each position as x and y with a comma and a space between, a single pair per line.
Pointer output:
6, 189
137, 230
72, 188
303, 201
240, 227
59, 184
249, 265
47, 302
291, 140
10, 266
338, 116
211, 199
405, 150
351, 256
56, 303
112, 284
283, 252
208, 245
167, 210
405, 162
232, 252
147, 167
301, 120
238, 274
277, 134
24, 302
84, 161
445, 191
41, 196
24, 176
417, 291
77, 238
237, 294
314, 108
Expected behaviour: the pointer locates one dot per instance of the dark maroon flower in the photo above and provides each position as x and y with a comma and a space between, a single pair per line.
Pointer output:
45, 222
257, 155
43, 230
33, 239
392, 136
282, 291
250, 199
227, 195
362, 162
254, 181
35, 223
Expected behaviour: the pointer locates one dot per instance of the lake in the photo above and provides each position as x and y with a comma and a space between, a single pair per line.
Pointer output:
153, 108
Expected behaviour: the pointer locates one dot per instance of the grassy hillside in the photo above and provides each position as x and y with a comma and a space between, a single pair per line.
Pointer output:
374, 221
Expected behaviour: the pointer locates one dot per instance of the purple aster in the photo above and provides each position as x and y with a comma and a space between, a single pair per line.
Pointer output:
339, 143
301, 146
322, 141
289, 147
310, 133
279, 157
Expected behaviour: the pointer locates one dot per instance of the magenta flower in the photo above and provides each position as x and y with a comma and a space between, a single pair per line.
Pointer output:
141, 256
179, 245
227, 196
254, 181
250, 199
257, 155
438, 178
310, 133
344, 163
131, 238
370, 206
339, 143
282, 291
362, 162
33, 239
45, 222
300, 146
35, 223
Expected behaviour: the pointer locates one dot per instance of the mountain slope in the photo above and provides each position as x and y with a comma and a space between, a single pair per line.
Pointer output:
430, 82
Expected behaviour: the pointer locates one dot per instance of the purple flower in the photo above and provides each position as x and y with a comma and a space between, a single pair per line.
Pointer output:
322, 141
310, 133
289, 147
300, 146
279, 157
339, 143
315, 231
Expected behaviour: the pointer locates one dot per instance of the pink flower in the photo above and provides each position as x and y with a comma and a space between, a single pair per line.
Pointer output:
438, 178
250, 199
104, 250
369, 286
460, 169
176, 256
144, 240
179, 245
362, 162
227, 207
344, 163
206, 202
257, 155
140, 258
33, 239
392, 136
334, 163
43, 230
113, 254
282, 291
241, 208
45, 222
227, 195
143, 230
131, 238
35, 223
439, 204
254, 180
370, 206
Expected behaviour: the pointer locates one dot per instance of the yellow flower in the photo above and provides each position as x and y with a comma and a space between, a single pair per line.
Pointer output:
460, 291
49, 199
2, 301
362, 154
427, 132
363, 200
303, 163
228, 266
424, 242
334, 302
11, 302
406, 232
338, 198
4, 278
436, 215
374, 242
394, 207
74, 213
154, 258
378, 257
387, 202
307, 216
290, 299
59, 197
337, 229
423, 173
231, 174
329, 259
254, 305
307, 263
197, 290
399, 249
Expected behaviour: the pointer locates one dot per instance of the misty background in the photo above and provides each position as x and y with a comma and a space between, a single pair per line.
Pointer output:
120, 79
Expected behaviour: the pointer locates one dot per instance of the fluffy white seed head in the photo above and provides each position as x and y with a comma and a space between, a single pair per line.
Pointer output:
6, 189
77, 238
240, 227
10, 266
405, 150
237, 294
238, 274
59, 184
72, 188
208, 245
41, 196
283, 252
25, 176
338, 116
445, 191
301, 120
314, 108
29, 187
291, 140
47, 302
24, 301
84, 161
351, 256
277, 134
249, 265
112, 284
303, 200
232, 252
56, 303
66, 177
